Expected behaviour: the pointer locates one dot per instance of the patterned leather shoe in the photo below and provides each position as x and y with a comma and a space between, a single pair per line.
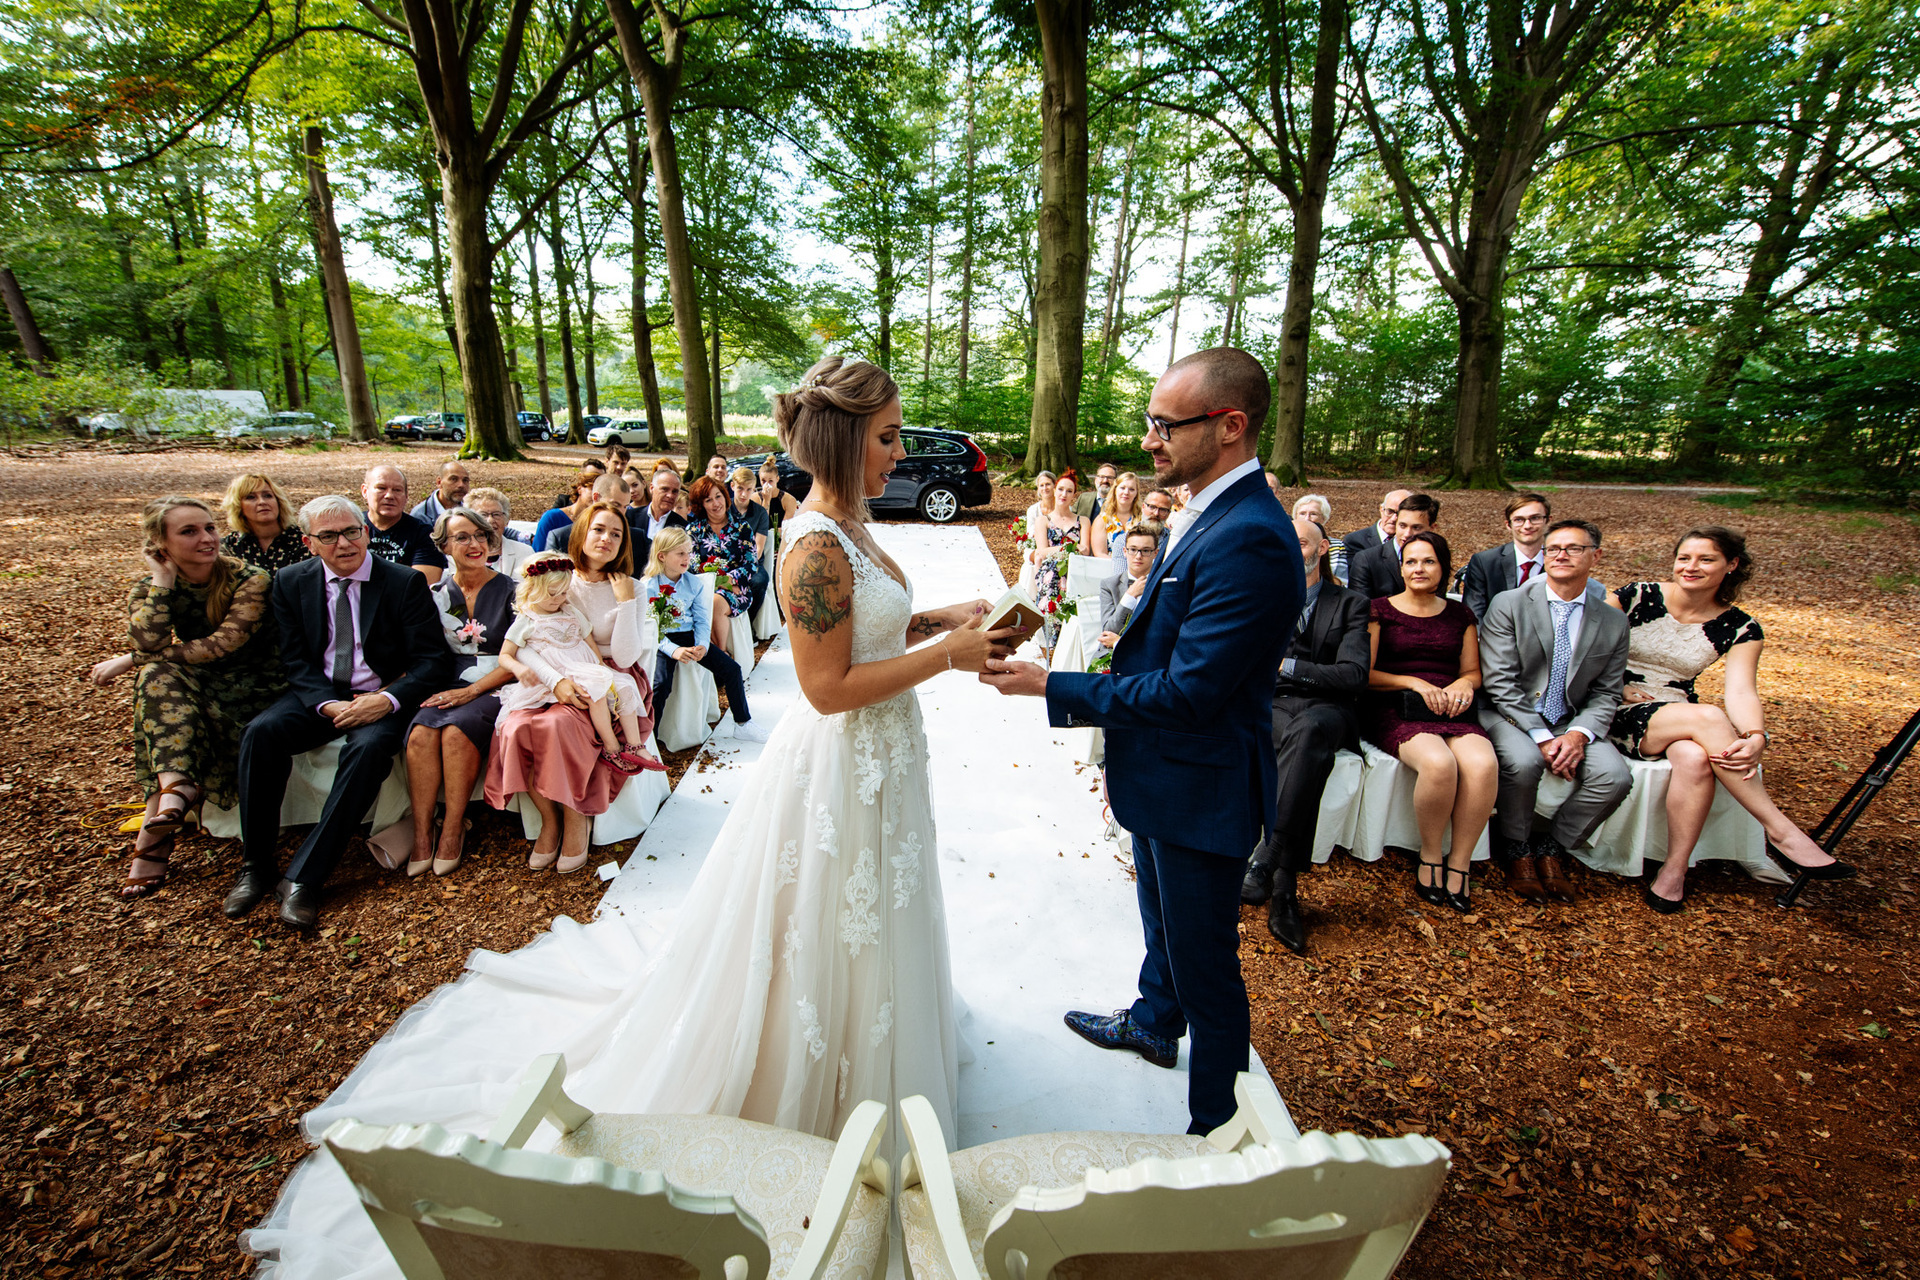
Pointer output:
1119, 1031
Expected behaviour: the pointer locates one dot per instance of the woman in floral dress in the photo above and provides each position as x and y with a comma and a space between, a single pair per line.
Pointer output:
722, 534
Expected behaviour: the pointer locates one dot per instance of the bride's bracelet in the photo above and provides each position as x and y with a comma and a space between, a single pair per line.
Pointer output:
947, 647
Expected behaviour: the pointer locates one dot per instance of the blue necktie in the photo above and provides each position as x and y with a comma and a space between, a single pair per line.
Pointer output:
1553, 706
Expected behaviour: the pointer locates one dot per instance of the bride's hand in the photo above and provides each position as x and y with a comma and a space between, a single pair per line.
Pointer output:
969, 647
958, 615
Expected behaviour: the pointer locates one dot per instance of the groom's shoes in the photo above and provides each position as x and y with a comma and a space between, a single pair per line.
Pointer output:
1118, 1030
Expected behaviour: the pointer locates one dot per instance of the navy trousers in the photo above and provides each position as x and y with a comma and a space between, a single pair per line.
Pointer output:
717, 660
1190, 983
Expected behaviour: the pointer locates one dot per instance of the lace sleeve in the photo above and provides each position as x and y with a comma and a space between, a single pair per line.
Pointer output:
244, 612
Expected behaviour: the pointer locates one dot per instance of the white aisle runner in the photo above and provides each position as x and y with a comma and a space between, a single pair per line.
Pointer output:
1041, 919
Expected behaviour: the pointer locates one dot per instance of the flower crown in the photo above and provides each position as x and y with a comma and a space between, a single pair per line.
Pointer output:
547, 564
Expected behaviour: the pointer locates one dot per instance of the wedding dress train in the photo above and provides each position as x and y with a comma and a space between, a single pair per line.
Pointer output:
806, 970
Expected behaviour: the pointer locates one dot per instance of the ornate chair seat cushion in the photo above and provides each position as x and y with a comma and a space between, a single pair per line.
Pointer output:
987, 1176
774, 1174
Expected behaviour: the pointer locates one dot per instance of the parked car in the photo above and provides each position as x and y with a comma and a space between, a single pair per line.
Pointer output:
535, 426
603, 431
943, 472
443, 426
404, 426
283, 425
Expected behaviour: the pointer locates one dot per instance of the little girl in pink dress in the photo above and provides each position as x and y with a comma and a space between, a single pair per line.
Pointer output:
551, 642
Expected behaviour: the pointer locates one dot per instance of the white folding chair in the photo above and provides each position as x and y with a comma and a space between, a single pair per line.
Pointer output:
766, 620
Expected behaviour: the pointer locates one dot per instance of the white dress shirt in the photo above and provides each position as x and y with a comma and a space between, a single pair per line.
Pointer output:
1539, 563
1200, 501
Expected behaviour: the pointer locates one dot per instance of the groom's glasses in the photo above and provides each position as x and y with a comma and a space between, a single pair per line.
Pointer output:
1164, 429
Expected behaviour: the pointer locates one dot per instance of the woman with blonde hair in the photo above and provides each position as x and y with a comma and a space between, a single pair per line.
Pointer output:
261, 523
204, 645
1119, 513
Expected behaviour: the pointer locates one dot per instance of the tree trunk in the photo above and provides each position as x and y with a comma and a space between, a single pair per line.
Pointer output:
136, 304
1115, 277
885, 289
539, 328
642, 324
283, 338
32, 344
713, 369
967, 228
483, 360
1180, 272
562, 303
1476, 429
587, 326
1061, 290
440, 270
659, 83
333, 272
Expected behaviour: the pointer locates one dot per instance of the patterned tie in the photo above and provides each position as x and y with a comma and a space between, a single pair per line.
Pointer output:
1553, 706
1526, 571
343, 639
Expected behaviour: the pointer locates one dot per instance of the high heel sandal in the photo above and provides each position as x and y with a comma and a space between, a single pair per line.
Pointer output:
1429, 893
1458, 901
164, 828
1835, 870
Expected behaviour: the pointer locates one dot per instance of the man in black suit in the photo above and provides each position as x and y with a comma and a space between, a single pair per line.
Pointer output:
662, 493
1377, 572
1315, 713
1513, 564
1374, 534
362, 644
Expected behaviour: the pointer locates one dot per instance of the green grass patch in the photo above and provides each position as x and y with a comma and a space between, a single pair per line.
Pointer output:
1896, 581
1737, 501
1861, 524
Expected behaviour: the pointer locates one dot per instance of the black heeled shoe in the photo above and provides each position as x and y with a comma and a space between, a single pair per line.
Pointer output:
1831, 871
1432, 894
1665, 906
1458, 901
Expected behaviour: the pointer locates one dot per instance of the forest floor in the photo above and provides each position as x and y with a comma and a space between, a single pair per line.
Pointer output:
1723, 1091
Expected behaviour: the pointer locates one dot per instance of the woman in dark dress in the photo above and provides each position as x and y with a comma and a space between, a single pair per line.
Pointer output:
261, 521
476, 608
208, 662
1426, 670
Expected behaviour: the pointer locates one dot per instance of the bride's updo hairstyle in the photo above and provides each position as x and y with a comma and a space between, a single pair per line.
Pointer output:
823, 424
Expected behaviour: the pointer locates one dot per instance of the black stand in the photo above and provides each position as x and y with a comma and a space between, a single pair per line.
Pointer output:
1840, 819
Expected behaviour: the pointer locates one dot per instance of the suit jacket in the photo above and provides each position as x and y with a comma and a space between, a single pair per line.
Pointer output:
1332, 657
1516, 658
1188, 706
639, 521
1362, 540
1376, 572
1111, 590
1489, 573
400, 634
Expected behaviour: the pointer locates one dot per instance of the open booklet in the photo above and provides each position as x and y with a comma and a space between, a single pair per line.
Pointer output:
1014, 609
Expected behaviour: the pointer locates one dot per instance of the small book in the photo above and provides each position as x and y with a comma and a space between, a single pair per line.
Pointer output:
1014, 609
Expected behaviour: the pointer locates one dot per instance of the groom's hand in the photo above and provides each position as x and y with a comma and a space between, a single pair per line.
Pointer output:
1015, 677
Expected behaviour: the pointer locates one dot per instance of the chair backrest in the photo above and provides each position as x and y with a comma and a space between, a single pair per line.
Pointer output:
457, 1207
1319, 1207
1086, 573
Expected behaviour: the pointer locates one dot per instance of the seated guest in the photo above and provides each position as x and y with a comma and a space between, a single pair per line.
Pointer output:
1376, 573
778, 502
1374, 534
746, 508
1677, 630
362, 647
392, 534
1088, 504
720, 536
1318, 508
1316, 712
663, 496
1157, 506
716, 470
1513, 564
492, 504
261, 520
559, 518
617, 459
610, 489
1552, 661
590, 470
203, 647
552, 753
1116, 515
1426, 667
447, 744
686, 637
1273, 485
1120, 593
448, 493
1063, 526
1039, 514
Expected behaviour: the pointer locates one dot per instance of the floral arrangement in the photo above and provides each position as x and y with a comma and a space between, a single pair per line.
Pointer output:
722, 578
1062, 609
1022, 538
661, 602
469, 636
1102, 663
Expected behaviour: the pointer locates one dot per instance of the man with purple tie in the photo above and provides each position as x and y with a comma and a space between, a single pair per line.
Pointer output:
362, 645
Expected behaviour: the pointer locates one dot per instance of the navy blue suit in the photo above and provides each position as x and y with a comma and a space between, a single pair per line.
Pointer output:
1188, 714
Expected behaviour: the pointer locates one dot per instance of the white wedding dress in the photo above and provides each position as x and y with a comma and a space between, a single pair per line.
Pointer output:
806, 970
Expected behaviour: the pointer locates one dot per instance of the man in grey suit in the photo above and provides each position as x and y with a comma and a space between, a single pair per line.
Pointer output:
1511, 564
1120, 593
1553, 662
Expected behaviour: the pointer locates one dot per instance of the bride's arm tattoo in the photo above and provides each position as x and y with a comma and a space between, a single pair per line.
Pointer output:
818, 603
925, 624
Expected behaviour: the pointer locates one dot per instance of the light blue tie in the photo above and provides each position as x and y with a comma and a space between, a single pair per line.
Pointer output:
1553, 706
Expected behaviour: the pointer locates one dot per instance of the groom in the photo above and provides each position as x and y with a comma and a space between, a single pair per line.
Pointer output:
1188, 710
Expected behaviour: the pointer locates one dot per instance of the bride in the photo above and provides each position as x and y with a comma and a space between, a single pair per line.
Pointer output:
807, 970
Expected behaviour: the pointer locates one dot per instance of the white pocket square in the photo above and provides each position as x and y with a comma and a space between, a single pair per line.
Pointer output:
1169, 579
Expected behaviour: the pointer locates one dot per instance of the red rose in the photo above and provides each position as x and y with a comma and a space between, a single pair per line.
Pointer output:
666, 588
1053, 606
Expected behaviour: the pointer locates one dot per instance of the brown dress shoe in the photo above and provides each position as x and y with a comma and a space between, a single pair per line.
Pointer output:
1523, 877
1553, 877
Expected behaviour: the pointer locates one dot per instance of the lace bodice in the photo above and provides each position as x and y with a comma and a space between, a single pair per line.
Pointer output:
881, 606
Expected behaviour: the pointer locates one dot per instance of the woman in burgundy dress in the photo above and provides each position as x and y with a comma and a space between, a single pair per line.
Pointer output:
1426, 670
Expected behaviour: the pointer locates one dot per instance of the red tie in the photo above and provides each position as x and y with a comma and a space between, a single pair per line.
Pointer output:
1526, 571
